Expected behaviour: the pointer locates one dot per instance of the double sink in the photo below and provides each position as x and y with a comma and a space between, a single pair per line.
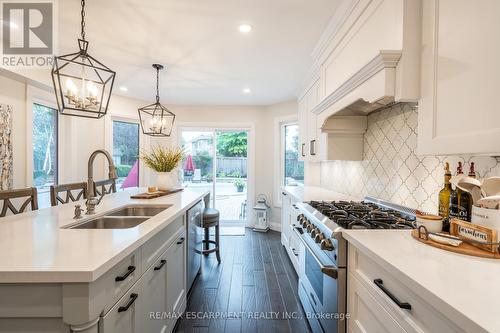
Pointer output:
122, 218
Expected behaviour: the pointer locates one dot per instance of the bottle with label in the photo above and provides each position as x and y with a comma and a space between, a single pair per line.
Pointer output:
460, 201
445, 193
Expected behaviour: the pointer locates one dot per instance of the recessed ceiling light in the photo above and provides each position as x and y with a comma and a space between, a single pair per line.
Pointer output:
122, 88
245, 28
247, 91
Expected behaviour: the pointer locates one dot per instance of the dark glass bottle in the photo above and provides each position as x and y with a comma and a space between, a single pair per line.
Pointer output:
460, 201
444, 194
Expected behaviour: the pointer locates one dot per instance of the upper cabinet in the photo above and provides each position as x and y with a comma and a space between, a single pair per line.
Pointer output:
367, 58
458, 113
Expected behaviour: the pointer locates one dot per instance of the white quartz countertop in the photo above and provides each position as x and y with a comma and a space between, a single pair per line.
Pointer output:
466, 289
308, 193
35, 248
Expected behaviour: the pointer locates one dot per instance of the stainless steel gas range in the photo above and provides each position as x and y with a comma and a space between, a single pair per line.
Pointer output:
323, 263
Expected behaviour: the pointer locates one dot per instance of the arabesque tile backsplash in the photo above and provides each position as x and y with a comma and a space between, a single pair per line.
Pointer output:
391, 169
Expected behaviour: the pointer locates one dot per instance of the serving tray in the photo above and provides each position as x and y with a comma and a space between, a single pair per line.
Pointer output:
156, 194
463, 248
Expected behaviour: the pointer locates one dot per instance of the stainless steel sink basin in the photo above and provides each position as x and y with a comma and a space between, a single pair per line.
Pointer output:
138, 211
122, 218
111, 222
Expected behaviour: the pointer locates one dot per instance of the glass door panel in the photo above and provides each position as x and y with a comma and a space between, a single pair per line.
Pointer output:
198, 161
231, 175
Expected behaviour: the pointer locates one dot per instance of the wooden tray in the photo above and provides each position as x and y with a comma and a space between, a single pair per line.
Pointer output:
463, 248
157, 194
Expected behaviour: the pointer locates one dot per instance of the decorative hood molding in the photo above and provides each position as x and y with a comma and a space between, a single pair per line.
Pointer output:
370, 88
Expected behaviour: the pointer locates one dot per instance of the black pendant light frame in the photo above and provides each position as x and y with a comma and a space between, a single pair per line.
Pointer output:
104, 78
162, 116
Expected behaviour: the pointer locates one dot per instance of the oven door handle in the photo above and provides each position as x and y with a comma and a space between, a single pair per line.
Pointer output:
331, 271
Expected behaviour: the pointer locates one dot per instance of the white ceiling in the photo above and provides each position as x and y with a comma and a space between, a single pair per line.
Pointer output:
208, 60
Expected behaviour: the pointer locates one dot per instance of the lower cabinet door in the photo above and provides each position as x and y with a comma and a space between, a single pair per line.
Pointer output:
176, 279
154, 297
126, 316
366, 314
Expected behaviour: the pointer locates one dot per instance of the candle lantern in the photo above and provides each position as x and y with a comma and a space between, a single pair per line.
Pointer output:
261, 210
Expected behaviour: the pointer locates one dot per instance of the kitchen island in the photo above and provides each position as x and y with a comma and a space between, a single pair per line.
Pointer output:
59, 279
446, 291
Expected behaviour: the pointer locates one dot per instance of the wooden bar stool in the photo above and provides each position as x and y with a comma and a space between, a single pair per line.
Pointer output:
71, 192
29, 194
211, 219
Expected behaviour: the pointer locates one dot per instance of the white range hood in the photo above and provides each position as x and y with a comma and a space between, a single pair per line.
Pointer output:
372, 87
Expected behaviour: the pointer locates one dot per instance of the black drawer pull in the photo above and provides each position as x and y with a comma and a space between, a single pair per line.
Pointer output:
131, 301
130, 270
181, 240
303, 147
379, 283
160, 266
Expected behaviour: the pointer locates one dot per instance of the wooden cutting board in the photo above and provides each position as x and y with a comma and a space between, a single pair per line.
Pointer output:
156, 194
463, 248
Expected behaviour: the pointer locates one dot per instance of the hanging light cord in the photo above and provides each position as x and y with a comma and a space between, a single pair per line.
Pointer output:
83, 19
157, 84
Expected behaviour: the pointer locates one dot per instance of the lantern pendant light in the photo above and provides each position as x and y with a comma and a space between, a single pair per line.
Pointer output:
156, 119
82, 84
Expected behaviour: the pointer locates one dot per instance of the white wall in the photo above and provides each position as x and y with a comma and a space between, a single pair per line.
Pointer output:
80, 136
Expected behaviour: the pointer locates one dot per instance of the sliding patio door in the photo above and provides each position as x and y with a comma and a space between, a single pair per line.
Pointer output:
217, 160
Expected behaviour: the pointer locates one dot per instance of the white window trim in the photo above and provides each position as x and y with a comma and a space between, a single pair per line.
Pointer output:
279, 168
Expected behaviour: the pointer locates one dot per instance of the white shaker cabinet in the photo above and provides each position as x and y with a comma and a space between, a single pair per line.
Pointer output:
176, 279
126, 316
458, 109
308, 124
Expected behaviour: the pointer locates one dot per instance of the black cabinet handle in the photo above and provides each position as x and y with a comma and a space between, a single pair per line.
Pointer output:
181, 240
295, 252
130, 270
284, 193
131, 301
379, 283
303, 146
160, 266
312, 147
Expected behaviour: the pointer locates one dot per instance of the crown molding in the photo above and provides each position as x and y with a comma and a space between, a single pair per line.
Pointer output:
387, 59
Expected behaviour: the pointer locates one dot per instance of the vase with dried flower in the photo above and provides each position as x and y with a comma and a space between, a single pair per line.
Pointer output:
164, 160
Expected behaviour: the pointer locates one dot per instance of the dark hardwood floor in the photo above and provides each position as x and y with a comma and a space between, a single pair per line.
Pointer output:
255, 284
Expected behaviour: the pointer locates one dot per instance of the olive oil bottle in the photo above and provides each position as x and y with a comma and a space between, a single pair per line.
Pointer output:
445, 193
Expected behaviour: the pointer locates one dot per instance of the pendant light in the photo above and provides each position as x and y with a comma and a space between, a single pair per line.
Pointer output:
82, 84
156, 119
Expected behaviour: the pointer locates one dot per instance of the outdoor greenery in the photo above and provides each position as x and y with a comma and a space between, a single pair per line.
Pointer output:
232, 144
203, 161
163, 159
293, 167
240, 185
126, 142
44, 145
123, 170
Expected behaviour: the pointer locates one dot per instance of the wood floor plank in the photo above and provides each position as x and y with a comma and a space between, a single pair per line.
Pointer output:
255, 279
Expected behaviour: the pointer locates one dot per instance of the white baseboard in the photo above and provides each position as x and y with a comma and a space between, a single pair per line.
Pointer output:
276, 226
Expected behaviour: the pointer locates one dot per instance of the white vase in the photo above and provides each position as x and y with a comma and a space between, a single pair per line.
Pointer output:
165, 181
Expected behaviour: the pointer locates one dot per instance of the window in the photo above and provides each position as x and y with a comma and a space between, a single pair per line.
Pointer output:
126, 153
293, 172
44, 151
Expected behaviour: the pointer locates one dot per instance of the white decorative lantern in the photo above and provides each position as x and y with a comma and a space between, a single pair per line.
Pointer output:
261, 209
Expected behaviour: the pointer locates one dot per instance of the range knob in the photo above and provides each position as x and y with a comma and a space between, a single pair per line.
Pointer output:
310, 227
327, 245
319, 237
304, 223
314, 232
300, 217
